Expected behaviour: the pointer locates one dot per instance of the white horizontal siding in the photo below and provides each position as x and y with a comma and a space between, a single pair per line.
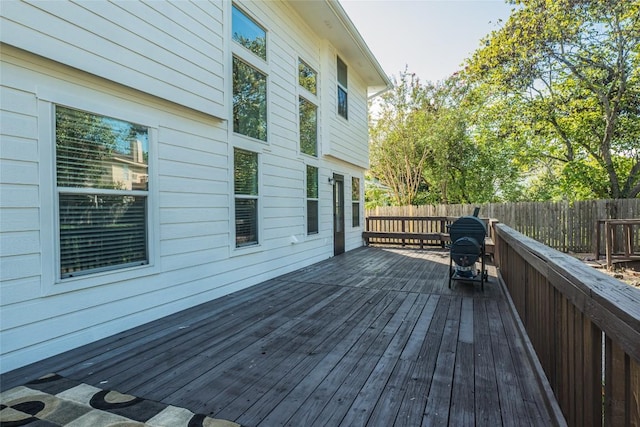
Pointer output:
19, 289
18, 125
19, 243
185, 200
177, 184
23, 219
155, 47
19, 200
191, 170
18, 196
22, 317
194, 226
349, 138
194, 214
18, 148
17, 268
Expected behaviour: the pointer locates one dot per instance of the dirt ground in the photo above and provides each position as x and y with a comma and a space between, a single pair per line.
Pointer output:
629, 273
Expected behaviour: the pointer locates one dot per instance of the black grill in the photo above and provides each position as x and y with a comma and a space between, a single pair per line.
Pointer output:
468, 226
467, 248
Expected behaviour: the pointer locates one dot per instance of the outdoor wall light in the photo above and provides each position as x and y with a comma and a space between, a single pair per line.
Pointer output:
332, 181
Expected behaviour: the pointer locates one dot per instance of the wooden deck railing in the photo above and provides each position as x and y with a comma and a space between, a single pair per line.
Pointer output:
565, 226
415, 230
607, 230
583, 325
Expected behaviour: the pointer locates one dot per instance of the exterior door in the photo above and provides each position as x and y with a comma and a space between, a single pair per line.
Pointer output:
338, 214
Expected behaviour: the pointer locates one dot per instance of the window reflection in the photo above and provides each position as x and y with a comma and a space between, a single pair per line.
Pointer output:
307, 77
248, 33
249, 101
308, 128
100, 152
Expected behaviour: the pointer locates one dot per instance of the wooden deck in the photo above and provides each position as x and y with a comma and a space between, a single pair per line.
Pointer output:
372, 337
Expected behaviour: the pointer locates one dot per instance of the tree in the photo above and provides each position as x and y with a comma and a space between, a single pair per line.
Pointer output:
472, 163
431, 144
571, 68
398, 139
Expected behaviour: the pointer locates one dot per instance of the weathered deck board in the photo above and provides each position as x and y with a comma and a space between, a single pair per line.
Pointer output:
487, 404
372, 337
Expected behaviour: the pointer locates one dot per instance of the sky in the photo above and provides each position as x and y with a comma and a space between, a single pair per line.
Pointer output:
431, 37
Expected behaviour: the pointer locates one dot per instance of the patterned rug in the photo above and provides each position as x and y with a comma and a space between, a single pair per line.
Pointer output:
57, 401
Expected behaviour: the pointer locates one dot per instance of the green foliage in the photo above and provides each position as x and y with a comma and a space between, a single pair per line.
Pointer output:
312, 182
375, 193
547, 109
308, 120
86, 145
249, 101
245, 172
307, 77
429, 145
567, 74
399, 144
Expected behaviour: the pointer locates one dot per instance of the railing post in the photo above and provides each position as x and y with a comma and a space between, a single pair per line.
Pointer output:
569, 310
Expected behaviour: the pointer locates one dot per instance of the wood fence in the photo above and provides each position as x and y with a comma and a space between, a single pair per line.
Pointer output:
583, 325
567, 227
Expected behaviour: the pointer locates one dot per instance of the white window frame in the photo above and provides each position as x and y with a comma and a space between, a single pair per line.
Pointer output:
251, 59
250, 248
344, 88
100, 104
241, 141
255, 21
358, 200
313, 99
307, 199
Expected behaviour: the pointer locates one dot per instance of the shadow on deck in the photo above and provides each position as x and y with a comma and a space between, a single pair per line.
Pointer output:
372, 337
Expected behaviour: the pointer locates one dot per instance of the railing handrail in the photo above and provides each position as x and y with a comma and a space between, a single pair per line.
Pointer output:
443, 221
612, 305
583, 324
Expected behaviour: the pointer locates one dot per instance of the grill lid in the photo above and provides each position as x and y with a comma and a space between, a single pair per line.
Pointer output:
468, 226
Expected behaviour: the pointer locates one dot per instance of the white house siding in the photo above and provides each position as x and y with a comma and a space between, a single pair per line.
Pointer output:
349, 138
173, 50
192, 248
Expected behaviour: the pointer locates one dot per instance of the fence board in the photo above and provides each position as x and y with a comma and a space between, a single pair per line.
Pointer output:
567, 227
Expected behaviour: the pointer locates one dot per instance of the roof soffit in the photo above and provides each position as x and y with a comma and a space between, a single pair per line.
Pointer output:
329, 21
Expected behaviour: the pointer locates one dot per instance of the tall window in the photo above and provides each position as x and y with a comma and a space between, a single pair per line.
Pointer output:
342, 89
307, 77
249, 100
249, 82
248, 33
312, 199
308, 109
308, 128
245, 177
102, 184
355, 202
